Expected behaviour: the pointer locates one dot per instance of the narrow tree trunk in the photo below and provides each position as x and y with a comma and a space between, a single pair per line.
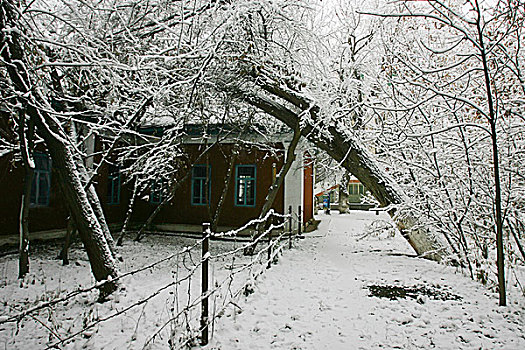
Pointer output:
517, 240
500, 262
64, 252
227, 181
23, 248
129, 212
25, 149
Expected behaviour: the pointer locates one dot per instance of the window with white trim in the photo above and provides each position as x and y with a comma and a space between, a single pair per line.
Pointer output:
245, 185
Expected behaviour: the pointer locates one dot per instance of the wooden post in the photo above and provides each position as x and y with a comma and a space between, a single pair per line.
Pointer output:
300, 222
205, 257
290, 227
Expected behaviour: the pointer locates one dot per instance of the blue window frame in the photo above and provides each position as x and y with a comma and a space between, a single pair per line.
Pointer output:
156, 195
41, 185
245, 185
200, 193
113, 185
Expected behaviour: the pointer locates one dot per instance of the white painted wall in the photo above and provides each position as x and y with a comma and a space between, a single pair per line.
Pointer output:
293, 184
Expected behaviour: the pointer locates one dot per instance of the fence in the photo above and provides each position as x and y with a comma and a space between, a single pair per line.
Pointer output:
193, 310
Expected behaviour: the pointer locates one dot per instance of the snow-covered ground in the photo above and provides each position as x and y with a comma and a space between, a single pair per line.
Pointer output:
162, 300
317, 297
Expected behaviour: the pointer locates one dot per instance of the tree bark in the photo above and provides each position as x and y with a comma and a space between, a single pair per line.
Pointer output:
103, 265
342, 146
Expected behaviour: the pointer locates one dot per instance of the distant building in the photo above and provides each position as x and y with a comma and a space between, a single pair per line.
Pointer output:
351, 199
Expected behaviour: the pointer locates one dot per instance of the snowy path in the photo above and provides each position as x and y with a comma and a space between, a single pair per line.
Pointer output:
317, 298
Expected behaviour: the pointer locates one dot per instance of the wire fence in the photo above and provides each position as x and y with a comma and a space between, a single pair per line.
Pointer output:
190, 302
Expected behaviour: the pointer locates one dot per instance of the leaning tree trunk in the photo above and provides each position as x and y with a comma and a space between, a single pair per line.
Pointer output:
103, 264
90, 230
86, 178
93, 197
353, 156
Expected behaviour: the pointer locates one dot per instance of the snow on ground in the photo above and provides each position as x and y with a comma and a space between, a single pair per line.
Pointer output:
317, 297
131, 329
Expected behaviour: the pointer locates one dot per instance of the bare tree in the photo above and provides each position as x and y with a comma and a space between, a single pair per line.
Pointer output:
454, 68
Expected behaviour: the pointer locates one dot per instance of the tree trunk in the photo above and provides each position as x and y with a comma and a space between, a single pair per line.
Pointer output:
227, 181
64, 252
23, 249
86, 177
90, 230
343, 194
342, 146
500, 262
101, 259
25, 150
129, 212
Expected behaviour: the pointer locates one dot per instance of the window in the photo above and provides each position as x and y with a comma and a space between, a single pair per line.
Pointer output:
355, 189
245, 185
113, 184
41, 184
156, 194
200, 192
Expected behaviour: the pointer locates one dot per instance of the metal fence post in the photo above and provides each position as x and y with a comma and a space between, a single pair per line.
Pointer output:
300, 223
270, 245
205, 258
290, 227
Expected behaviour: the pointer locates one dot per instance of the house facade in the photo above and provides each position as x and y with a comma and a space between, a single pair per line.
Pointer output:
202, 182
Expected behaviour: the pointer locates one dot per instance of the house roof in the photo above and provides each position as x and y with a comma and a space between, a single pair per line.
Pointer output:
194, 133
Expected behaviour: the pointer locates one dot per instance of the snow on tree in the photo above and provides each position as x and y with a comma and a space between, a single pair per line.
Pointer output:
399, 100
449, 114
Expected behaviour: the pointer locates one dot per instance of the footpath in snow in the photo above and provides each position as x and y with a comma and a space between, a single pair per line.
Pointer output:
317, 297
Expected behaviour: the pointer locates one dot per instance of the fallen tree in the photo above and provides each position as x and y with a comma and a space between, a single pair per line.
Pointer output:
274, 99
